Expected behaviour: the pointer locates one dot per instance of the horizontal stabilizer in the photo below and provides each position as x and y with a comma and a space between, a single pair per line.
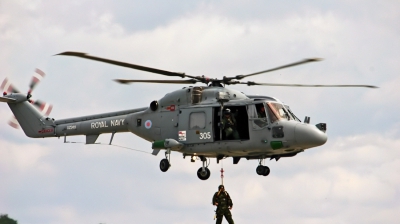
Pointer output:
7, 100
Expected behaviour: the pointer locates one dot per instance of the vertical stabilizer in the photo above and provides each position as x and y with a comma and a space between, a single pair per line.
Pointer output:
32, 122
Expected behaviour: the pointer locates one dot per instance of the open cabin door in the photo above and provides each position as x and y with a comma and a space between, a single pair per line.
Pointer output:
241, 126
195, 125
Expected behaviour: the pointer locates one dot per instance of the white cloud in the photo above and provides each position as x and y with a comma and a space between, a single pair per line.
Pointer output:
23, 158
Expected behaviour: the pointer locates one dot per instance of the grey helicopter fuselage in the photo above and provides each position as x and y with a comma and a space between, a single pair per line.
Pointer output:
188, 119
191, 116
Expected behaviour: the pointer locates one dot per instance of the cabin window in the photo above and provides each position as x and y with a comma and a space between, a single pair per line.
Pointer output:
197, 120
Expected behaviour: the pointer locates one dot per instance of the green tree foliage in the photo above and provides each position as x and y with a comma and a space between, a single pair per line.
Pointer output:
4, 219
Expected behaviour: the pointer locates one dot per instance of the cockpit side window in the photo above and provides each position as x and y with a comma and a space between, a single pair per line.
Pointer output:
260, 110
258, 116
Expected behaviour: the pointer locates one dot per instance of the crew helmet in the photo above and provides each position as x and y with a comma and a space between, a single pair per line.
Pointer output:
227, 111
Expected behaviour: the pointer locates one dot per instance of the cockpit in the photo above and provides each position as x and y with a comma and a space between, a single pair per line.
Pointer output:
277, 111
265, 113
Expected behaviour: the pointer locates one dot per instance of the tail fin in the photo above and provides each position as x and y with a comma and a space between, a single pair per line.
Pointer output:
32, 122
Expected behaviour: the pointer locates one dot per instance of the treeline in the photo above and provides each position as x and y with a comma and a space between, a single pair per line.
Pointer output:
4, 219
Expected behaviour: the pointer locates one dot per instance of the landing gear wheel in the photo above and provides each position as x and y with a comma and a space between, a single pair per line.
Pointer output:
164, 165
203, 175
266, 171
260, 170
263, 170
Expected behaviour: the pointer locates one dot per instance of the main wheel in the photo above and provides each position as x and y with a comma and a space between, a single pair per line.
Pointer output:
203, 175
266, 171
260, 170
164, 165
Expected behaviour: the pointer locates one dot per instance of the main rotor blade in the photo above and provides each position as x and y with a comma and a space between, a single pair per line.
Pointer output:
124, 64
128, 81
280, 67
301, 85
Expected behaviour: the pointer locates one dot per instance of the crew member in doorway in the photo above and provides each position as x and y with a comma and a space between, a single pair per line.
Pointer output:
224, 204
229, 125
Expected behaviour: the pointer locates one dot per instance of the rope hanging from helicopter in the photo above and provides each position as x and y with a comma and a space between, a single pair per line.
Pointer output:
222, 172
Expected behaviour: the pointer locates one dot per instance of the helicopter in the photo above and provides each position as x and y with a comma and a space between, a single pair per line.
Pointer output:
201, 122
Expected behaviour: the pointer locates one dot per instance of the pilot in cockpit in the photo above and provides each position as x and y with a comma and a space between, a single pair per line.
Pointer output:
260, 111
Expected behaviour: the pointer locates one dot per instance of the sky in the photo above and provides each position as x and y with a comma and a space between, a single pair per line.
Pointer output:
353, 178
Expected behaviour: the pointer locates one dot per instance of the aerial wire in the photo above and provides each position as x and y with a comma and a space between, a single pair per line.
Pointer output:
137, 150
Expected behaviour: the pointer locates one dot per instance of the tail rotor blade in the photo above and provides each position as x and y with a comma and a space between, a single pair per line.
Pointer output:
36, 78
13, 122
43, 107
6, 86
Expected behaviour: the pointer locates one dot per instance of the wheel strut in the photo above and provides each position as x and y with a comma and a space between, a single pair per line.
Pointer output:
261, 169
203, 173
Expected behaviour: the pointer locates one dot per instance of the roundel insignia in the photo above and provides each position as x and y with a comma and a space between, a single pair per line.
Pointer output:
148, 124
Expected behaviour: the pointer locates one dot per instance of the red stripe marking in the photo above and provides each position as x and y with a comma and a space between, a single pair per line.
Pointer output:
49, 110
3, 84
13, 123
40, 72
35, 80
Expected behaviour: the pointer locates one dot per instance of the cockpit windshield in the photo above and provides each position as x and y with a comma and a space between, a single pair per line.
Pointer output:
292, 114
277, 111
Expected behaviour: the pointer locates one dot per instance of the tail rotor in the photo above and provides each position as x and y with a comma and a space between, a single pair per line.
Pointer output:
45, 108
36, 78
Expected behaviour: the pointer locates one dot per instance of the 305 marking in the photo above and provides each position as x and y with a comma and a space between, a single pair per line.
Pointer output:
205, 135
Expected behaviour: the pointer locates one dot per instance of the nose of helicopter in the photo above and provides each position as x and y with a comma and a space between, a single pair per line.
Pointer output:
309, 136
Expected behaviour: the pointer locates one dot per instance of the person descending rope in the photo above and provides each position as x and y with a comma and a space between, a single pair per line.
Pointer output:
223, 201
224, 204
